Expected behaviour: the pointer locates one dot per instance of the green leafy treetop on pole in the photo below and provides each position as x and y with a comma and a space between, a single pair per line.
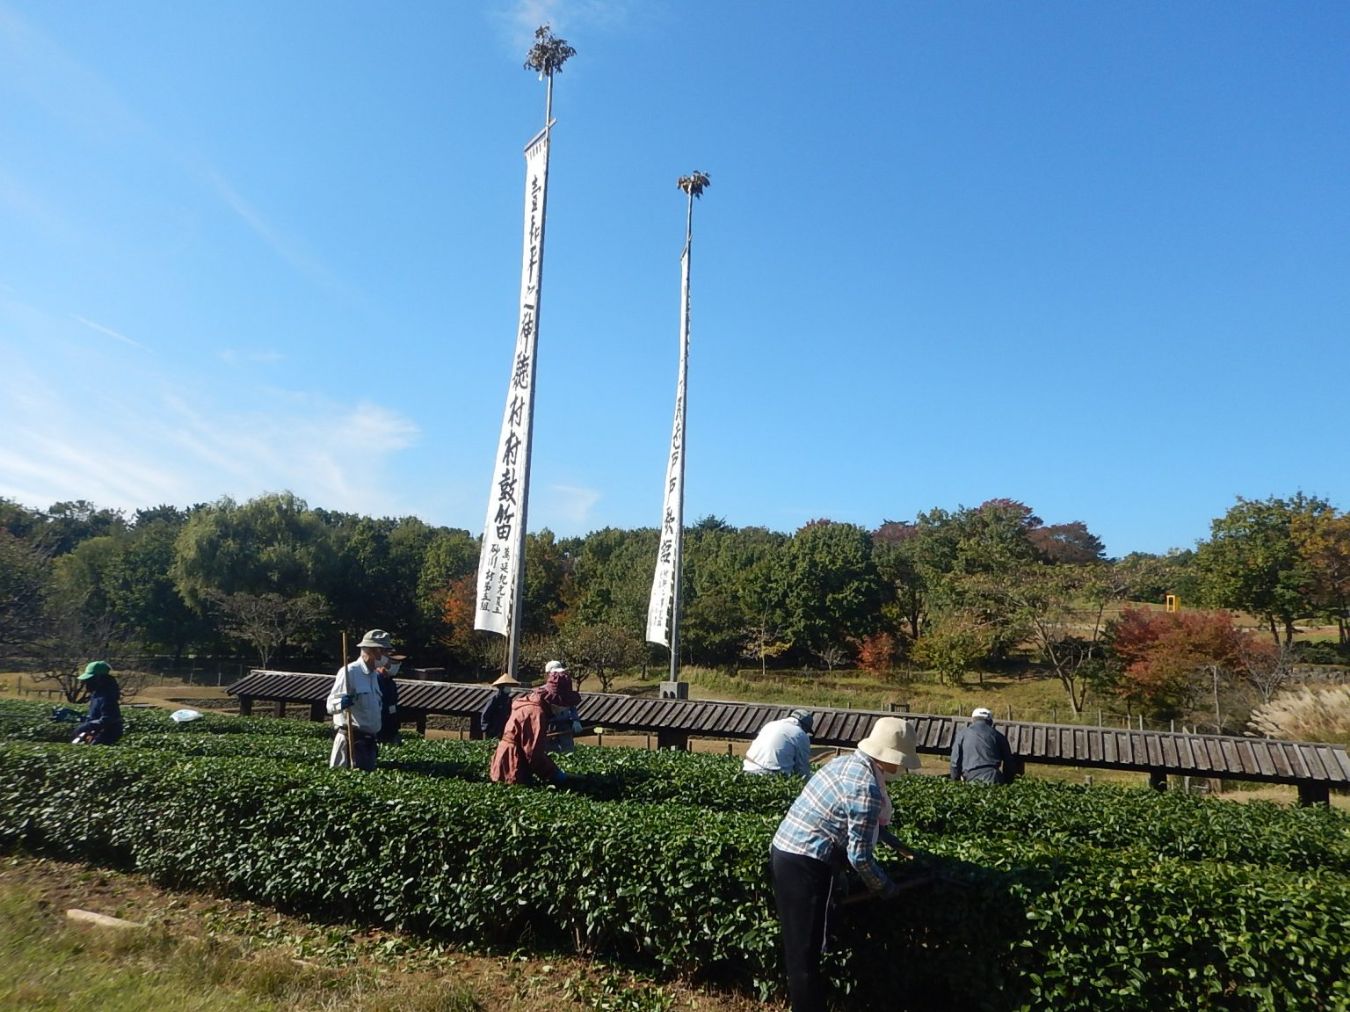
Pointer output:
694, 184
549, 53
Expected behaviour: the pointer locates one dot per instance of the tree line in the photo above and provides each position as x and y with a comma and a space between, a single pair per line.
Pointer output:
951, 591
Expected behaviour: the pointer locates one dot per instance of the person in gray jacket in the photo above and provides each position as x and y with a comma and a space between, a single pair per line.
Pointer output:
355, 698
980, 753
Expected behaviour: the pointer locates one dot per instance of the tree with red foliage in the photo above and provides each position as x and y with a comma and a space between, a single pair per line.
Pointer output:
877, 652
458, 635
1167, 658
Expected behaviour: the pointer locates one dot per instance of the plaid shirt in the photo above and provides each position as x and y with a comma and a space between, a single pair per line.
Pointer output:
837, 815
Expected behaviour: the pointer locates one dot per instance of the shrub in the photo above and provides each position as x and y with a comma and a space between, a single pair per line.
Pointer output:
1024, 919
1306, 713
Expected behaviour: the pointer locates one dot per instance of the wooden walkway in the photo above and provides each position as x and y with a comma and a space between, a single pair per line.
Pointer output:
1314, 768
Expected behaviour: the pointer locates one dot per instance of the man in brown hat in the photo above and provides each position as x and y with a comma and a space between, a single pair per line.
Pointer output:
355, 699
492, 719
522, 754
834, 822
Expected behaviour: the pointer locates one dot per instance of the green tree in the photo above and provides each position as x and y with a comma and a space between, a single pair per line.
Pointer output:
450, 555
70, 523
612, 577
1147, 577
985, 548
905, 570
25, 582
1252, 561
272, 544
269, 622
1323, 542
141, 590
1063, 607
828, 584
954, 645
727, 571
600, 650
547, 573
20, 521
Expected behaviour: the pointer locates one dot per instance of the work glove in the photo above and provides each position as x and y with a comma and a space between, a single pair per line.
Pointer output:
345, 703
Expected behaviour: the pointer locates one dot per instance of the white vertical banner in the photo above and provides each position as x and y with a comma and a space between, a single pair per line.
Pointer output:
660, 615
503, 529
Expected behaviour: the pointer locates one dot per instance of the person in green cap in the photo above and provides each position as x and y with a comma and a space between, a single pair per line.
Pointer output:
103, 724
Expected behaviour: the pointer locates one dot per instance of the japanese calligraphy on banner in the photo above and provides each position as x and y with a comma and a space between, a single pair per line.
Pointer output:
503, 529
660, 607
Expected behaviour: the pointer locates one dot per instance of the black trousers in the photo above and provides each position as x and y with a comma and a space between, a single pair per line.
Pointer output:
801, 890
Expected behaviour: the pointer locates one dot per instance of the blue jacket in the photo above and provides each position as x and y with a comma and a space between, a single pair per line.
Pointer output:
105, 713
981, 753
495, 714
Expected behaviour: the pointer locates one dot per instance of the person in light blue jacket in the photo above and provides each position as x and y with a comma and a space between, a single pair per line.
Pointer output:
782, 746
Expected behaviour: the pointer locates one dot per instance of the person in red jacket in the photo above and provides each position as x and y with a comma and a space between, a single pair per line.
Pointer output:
522, 754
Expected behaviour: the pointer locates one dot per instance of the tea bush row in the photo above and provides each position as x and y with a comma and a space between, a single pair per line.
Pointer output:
1168, 824
1022, 923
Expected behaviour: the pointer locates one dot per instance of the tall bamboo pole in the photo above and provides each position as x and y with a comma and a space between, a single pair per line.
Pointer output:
347, 721
693, 186
546, 57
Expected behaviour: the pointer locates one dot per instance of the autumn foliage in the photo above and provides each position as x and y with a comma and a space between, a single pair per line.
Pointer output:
877, 652
1165, 658
457, 613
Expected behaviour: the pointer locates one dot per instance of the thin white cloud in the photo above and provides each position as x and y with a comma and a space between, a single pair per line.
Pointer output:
284, 246
125, 437
58, 82
571, 504
109, 331
67, 89
321, 449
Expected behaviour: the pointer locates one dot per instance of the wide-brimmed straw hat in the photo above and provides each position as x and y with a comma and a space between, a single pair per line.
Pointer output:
376, 638
505, 680
558, 690
891, 741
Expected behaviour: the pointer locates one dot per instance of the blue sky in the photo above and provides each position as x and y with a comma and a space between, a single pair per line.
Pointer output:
1091, 256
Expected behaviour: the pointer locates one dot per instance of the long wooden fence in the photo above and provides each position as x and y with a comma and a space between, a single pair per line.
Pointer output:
1312, 767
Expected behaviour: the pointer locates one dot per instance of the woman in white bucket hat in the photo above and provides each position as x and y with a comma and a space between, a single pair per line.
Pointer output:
833, 822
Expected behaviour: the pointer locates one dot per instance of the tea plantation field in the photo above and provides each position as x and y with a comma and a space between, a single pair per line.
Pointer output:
1051, 896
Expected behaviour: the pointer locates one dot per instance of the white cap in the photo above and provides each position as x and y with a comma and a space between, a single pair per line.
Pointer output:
982, 713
